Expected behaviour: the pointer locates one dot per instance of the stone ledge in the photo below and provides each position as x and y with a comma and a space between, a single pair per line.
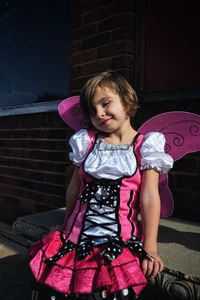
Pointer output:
37, 225
9, 233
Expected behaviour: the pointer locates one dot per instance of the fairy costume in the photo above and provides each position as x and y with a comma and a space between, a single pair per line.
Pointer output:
100, 250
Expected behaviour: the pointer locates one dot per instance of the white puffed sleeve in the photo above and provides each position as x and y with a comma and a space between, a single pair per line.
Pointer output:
153, 154
79, 143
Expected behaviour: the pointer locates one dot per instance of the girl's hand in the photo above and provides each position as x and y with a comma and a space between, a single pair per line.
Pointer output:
152, 265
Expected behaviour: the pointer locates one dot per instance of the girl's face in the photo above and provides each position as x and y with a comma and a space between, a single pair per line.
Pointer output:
108, 114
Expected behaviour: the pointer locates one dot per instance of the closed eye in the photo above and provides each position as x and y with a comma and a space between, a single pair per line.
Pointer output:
105, 104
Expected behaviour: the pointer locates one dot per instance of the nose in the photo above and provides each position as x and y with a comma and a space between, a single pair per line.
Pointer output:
100, 113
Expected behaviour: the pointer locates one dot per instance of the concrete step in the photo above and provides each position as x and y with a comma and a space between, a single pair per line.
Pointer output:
179, 245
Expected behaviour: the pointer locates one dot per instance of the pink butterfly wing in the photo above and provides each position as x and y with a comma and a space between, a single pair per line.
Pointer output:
182, 131
70, 112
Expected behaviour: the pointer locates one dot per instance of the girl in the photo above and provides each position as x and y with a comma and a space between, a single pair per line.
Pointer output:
103, 250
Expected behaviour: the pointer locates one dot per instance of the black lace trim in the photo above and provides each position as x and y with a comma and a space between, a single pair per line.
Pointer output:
113, 249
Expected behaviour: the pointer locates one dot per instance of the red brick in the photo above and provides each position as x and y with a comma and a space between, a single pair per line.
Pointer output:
122, 61
96, 41
116, 21
75, 46
42, 207
84, 32
33, 144
120, 47
77, 83
11, 201
82, 6
27, 205
123, 33
35, 165
76, 71
109, 8
104, 64
89, 68
9, 122
83, 57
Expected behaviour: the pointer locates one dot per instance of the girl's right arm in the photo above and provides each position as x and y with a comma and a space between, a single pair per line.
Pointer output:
72, 193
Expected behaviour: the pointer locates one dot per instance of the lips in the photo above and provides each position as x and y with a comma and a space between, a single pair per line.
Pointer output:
103, 122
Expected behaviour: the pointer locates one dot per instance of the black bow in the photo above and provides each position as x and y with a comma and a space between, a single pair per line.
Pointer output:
115, 246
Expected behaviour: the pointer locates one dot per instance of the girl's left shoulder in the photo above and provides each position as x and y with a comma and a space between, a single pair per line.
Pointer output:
153, 140
153, 153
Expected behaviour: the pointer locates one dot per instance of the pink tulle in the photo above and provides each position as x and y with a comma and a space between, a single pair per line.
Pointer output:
70, 275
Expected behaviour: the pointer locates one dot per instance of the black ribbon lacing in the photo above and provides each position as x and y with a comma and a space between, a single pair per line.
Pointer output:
112, 250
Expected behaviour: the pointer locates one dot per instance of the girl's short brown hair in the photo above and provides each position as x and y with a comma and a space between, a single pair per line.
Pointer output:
117, 83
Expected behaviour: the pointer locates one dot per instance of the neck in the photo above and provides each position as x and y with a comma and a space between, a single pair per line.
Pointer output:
124, 136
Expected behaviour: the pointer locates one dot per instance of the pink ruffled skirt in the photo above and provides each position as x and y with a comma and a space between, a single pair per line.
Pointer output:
69, 275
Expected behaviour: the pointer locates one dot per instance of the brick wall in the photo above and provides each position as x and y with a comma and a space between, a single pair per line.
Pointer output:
102, 38
34, 168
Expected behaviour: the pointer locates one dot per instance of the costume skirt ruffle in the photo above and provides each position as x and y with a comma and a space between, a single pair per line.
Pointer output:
69, 275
